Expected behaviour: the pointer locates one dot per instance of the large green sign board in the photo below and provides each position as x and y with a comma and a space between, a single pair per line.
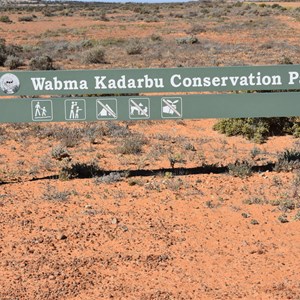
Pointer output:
150, 108
83, 83
150, 80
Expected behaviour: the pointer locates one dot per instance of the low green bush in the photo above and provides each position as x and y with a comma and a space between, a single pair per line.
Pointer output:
258, 129
5, 19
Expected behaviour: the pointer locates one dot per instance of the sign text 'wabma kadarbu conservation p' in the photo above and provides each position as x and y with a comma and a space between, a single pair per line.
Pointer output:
138, 81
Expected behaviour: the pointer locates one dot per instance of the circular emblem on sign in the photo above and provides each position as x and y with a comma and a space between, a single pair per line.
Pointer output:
9, 83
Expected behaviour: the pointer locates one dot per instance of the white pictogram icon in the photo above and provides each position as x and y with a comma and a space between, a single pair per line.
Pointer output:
106, 109
171, 107
75, 109
41, 110
139, 108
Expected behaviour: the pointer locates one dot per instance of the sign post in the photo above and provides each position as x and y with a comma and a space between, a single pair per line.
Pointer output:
45, 90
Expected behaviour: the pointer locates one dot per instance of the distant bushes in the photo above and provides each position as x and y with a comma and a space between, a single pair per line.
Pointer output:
5, 19
26, 19
258, 129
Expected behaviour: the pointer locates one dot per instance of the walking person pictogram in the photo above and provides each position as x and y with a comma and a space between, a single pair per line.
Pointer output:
44, 112
37, 109
41, 110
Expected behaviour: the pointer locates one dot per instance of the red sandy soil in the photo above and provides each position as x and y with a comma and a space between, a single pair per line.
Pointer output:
153, 237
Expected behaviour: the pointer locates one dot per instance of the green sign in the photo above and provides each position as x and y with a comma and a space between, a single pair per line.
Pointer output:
150, 108
84, 82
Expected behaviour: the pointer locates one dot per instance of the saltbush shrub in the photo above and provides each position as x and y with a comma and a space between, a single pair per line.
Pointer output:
132, 144
187, 40
94, 56
12, 62
288, 160
13, 50
43, 62
258, 129
134, 48
5, 19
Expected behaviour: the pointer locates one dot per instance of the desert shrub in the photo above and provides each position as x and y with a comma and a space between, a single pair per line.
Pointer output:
59, 152
132, 144
93, 131
5, 19
173, 184
52, 194
297, 216
240, 169
134, 48
26, 19
288, 160
287, 205
155, 38
175, 158
188, 146
103, 16
110, 178
254, 222
255, 200
116, 130
48, 13
285, 61
187, 40
277, 6
69, 137
79, 170
43, 62
13, 50
94, 56
255, 129
283, 219
83, 44
13, 62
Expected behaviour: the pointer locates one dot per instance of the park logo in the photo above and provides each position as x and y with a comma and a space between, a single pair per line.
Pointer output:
9, 83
